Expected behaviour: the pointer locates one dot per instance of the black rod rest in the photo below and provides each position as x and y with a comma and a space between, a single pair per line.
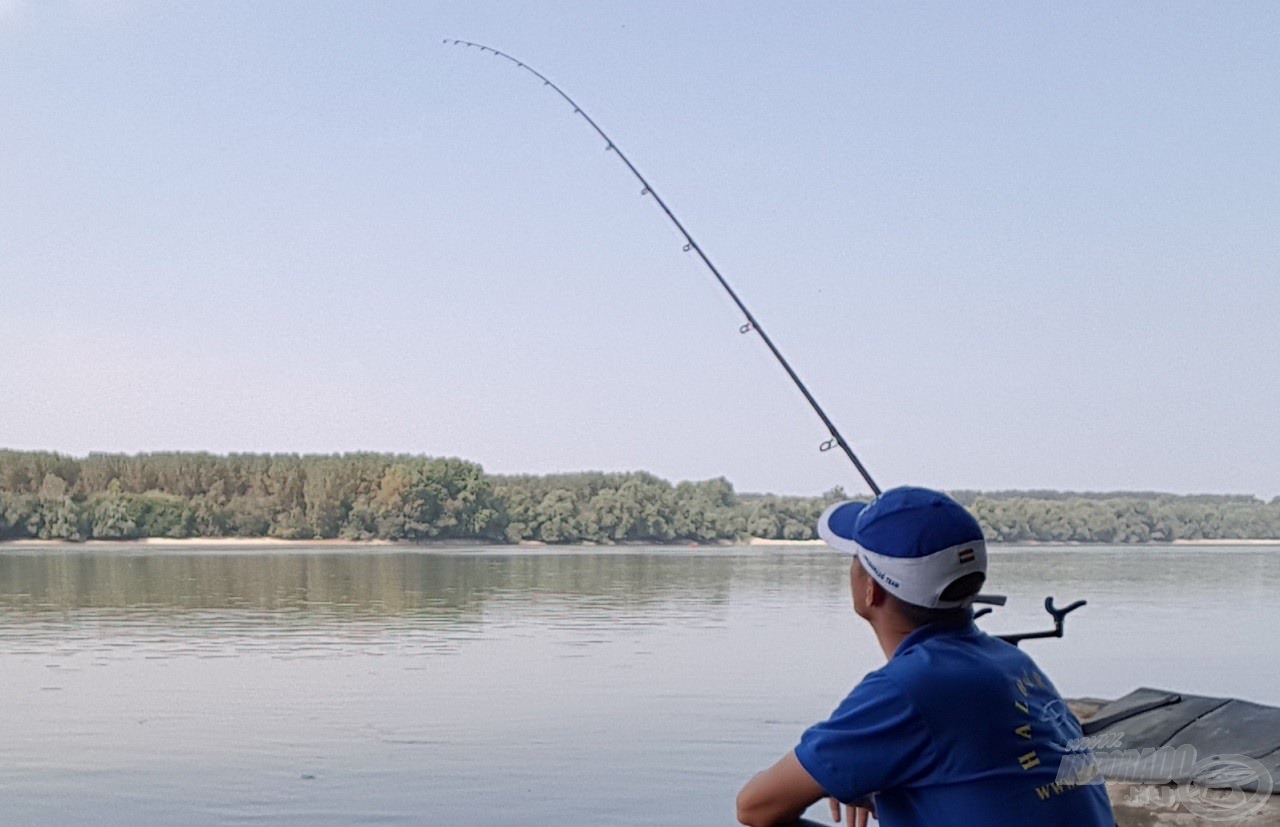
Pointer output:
1058, 615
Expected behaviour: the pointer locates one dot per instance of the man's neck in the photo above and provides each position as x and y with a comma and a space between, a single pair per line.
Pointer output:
890, 632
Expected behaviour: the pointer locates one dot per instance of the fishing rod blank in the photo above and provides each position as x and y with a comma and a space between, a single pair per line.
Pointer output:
690, 244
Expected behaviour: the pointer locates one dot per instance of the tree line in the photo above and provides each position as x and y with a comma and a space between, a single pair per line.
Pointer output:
369, 496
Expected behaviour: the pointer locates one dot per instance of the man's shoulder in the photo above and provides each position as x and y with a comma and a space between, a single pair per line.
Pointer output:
880, 681
888, 687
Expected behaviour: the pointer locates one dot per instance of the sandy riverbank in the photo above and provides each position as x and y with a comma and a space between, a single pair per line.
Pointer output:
757, 541
760, 541
205, 542
273, 542
1226, 542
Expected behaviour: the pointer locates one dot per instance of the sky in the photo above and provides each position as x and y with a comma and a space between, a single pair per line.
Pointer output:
1007, 245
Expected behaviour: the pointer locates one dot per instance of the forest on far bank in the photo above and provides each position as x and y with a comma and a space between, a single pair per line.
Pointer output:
369, 496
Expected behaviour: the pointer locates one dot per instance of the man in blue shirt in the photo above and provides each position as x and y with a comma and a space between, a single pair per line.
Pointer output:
958, 728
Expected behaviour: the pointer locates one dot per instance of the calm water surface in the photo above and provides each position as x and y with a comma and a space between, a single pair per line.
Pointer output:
628, 687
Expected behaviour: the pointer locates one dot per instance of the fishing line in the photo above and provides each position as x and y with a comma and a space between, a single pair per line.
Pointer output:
690, 245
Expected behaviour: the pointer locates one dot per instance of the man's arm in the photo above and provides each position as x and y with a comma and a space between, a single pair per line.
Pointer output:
778, 795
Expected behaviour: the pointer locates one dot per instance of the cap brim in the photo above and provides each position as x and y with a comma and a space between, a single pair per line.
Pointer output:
836, 526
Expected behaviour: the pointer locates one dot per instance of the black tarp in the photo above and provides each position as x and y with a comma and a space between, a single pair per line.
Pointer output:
1221, 731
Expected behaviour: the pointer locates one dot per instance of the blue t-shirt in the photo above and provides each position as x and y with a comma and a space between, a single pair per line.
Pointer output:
958, 728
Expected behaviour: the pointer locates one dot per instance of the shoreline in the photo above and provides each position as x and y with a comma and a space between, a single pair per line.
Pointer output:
753, 542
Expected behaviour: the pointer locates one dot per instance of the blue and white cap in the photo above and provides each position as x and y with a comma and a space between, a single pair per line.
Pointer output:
914, 541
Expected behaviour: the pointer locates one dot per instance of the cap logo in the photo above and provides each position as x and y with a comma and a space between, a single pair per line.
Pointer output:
966, 555
878, 573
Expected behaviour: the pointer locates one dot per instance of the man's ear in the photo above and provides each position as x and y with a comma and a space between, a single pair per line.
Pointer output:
876, 595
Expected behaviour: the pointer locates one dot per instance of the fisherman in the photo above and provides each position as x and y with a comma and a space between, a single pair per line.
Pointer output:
958, 728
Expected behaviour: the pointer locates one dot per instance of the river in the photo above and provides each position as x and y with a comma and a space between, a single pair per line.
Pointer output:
149, 686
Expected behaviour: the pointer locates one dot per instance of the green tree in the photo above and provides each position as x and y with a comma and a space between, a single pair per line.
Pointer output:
113, 515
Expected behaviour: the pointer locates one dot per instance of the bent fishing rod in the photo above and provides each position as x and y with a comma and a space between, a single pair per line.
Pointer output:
690, 245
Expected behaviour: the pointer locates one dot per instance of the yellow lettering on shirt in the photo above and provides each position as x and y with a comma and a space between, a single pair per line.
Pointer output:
1050, 789
1024, 730
1029, 761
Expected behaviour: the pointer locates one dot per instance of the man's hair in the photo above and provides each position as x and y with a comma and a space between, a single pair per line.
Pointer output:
958, 589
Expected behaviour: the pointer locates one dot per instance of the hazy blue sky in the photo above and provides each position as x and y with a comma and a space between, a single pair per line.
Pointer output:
1008, 244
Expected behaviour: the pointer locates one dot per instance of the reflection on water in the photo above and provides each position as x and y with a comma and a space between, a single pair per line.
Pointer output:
209, 604
497, 687
346, 583
375, 583
283, 597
